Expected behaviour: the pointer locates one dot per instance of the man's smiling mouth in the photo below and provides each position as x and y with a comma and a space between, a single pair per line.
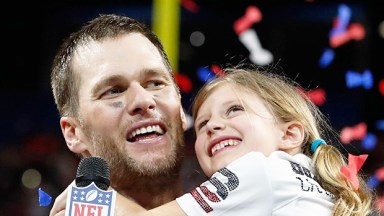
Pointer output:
146, 132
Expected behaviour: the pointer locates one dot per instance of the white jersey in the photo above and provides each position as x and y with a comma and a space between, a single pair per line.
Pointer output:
280, 184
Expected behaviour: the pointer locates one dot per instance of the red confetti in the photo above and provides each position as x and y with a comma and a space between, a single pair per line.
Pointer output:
354, 165
252, 15
380, 173
379, 203
317, 96
357, 132
190, 5
183, 82
381, 87
217, 70
355, 31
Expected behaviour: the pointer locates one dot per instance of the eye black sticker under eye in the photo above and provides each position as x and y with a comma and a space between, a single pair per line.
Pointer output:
118, 104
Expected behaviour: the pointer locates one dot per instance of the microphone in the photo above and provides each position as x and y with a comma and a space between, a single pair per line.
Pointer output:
89, 195
93, 169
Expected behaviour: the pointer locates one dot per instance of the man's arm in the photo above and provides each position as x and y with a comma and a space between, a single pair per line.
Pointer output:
123, 207
58, 208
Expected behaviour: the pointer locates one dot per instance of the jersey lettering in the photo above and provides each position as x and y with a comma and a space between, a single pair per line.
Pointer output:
222, 189
307, 180
199, 199
211, 196
233, 181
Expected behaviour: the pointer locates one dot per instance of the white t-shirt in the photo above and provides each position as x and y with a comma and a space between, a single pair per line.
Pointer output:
280, 184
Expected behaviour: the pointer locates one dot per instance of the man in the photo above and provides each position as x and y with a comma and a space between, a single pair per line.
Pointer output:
117, 98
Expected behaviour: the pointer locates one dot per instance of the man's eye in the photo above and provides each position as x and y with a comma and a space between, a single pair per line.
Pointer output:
113, 92
155, 84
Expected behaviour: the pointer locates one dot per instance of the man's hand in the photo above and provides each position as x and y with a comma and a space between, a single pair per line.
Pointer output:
58, 208
123, 205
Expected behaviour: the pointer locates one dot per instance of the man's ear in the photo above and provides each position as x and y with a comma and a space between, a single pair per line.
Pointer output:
184, 120
293, 138
72, 132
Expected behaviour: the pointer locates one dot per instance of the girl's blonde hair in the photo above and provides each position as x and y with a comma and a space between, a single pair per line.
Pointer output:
281, 96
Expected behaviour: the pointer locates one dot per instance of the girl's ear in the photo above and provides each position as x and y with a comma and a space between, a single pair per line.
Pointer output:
293, 138
72, 132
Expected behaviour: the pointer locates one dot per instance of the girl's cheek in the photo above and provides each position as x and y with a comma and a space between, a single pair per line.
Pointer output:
199, 144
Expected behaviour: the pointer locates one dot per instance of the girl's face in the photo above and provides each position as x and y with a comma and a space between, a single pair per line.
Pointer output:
231, 122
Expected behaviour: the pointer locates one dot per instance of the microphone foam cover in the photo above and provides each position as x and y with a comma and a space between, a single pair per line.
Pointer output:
93, 169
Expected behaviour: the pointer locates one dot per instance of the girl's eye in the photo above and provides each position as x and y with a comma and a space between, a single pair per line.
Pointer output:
201, 125
234, 108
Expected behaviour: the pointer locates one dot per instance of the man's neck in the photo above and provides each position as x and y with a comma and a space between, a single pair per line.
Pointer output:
152, 195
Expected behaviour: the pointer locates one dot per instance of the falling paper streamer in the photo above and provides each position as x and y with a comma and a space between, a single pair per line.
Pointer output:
355, 31
258, 54
44, 198
369, 142
205, 74
342, 20
317, 96
354, 165
381, 87
190, 5
248, 37
355, 79
184, 83
217, 70
326, 58
252, 15
373, 182
379, 203
380, 173
380, 124
357, 132
337, 35
376, 179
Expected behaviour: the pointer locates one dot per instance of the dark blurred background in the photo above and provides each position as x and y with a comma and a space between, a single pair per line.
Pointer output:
342, 73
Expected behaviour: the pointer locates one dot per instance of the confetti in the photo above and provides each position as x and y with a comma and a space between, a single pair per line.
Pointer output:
355, 79
44, 198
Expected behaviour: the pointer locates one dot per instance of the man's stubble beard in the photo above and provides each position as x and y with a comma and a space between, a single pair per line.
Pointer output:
127, 173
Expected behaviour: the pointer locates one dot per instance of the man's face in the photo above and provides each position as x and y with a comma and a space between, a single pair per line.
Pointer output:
130, 111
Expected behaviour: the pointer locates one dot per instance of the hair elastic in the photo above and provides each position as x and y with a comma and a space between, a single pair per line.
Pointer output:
316, 144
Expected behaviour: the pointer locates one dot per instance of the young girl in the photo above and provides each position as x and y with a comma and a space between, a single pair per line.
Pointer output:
266, 149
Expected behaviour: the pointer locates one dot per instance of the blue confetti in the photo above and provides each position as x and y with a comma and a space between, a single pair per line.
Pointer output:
205, 74
369, 142
44, 198
354, 79
343, 18
326, 58
373, 182
380, 125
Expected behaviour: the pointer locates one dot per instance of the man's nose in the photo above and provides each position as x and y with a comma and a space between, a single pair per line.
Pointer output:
139, 100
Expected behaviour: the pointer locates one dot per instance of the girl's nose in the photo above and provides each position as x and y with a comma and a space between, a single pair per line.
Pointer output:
214, 125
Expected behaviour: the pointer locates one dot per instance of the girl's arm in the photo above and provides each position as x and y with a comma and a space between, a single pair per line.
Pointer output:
124, 207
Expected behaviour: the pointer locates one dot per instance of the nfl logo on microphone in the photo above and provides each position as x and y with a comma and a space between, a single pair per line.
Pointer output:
90, 201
